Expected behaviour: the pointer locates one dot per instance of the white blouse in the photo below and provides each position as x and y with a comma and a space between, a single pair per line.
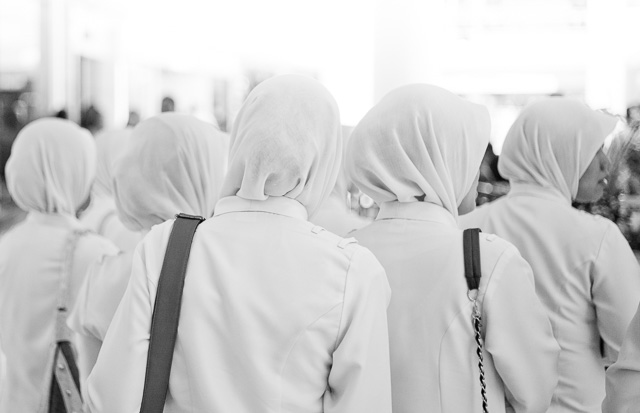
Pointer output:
434, 366
585, 275
32, 256
277, 315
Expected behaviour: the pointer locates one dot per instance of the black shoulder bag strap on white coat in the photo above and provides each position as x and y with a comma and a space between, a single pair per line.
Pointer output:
473, 273
166, 313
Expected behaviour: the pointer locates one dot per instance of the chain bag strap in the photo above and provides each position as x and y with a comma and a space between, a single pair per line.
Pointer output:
473, 273
166, 313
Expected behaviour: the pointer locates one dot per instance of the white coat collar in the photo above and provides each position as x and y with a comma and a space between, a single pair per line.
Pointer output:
275, 204
538, 192
419, 211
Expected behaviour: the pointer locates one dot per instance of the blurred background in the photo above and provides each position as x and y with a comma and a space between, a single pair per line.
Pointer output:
109, 63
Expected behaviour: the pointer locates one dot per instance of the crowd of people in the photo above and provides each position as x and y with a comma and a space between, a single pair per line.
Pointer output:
291, 303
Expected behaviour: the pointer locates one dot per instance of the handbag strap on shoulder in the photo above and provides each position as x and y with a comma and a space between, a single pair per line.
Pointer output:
166, 313
472, 268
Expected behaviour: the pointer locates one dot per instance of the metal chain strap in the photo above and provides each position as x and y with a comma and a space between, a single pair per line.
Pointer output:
477, 326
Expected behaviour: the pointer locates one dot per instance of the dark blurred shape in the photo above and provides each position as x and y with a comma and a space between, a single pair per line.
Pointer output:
62, 114
168, 104
91, 119
134, 118
491, 184
633, 114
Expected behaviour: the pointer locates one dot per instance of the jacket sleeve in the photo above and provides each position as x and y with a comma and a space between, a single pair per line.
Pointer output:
615, 290
359, 380
623, 378
117, 379
518, 335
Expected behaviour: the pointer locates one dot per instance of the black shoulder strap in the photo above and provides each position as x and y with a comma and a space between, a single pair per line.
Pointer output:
166, 313
471, 244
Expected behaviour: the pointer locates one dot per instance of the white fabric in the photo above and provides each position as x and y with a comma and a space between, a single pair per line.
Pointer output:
187, 181
434, 367
101, 215
585, 275
285, 142
277, 316
31, 260
410, 145
178, 162
422, 140
51, 167
623, 378
552, 143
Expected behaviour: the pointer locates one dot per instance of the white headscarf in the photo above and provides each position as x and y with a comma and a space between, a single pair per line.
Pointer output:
552, 143
174, 163
419, 141
286, 142
109, 145
52, 166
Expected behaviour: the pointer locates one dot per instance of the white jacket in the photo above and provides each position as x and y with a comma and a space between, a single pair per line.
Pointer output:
434, 366
586, 276
277, 315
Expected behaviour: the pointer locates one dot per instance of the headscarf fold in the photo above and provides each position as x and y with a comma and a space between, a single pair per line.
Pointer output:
420, 142
552, 142
174, 163
52, 167
109, 146
285, 142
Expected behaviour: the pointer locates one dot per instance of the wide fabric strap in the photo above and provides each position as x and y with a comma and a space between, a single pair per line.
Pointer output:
166, 313
472, 268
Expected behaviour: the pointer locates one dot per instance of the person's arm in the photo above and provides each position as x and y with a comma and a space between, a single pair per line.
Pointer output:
359, 380
518, 335
615, 290
623, 378
117, 379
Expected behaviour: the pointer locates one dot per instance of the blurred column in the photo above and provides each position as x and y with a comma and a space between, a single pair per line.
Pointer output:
410, 40
606, 77
52, 79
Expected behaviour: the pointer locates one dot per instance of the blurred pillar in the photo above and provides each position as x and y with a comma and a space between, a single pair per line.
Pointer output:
54, 64
606, 77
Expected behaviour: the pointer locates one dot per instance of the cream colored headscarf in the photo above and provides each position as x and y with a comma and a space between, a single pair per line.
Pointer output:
552, 143
286, 142
174, 163
52, 166
419, 141
109, 146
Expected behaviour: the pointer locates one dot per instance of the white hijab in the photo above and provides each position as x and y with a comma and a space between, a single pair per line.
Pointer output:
174, 163
52, 167
109, 145
419, 141
552, 143
285, 142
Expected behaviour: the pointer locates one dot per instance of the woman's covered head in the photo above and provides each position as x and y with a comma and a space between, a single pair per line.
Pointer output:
173, 163
52, 166
419, 143
552, 143
285, 142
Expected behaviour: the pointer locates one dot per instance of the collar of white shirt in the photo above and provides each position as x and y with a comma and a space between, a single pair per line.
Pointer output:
419, 211
279, 205
538, 192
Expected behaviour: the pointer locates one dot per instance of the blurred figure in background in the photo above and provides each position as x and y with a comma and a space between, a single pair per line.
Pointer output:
49, 174
277, 314
335, 213
134, 119
91, 119
417, 154
101, 215
173, 163
168, 104
585, 273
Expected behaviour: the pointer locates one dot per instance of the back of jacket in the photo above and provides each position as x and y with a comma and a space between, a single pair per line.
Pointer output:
278, 315
585, 275
434, 367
